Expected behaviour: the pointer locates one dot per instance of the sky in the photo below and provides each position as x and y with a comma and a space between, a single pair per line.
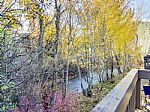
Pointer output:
142, 8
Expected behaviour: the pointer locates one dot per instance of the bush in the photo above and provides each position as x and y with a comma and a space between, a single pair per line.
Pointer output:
60, 104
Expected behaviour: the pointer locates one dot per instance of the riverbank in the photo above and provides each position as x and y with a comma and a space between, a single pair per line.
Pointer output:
99, 91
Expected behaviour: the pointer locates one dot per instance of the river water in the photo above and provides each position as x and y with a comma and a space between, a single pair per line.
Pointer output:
75, 84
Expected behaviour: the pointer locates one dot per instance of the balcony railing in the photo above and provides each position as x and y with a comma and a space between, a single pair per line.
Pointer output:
125, 97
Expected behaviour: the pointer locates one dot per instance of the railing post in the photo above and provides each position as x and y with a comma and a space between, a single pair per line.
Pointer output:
131, 106
134, 99
138, 86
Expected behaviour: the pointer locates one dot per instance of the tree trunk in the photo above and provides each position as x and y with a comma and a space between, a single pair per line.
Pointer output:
69, 40
124, 65
107, 75
112, 67
118, 65
40, 50
77, 62
57, 27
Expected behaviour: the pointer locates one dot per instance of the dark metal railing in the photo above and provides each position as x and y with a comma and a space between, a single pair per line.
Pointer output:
147, 62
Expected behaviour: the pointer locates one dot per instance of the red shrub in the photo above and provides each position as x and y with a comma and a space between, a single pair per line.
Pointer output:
67, 104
